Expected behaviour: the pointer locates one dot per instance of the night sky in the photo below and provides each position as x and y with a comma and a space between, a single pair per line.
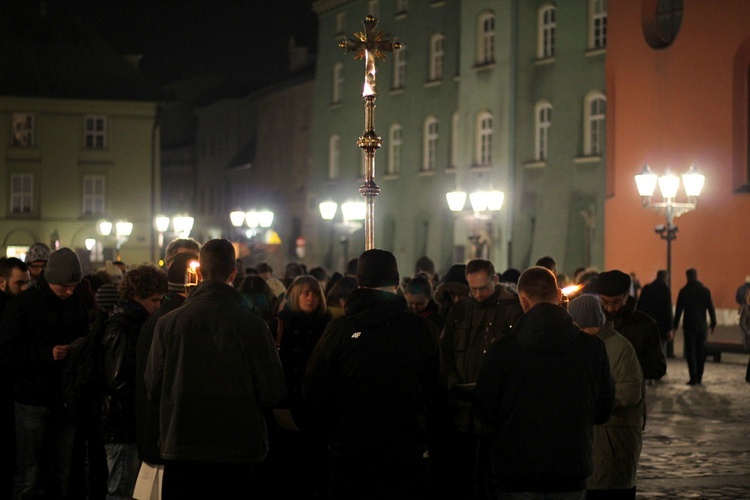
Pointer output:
182, 38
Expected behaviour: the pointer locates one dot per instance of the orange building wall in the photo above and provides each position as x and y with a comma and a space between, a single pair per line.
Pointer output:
673, 107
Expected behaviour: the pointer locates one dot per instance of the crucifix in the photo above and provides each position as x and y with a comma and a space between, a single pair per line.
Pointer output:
369, 45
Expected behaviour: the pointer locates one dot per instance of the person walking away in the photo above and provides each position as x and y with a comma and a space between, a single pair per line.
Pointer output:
141, 292
542, 388
694, 300
294, 446
617, 443
656, 301
213, 368
35, 335
372, 384
470, 328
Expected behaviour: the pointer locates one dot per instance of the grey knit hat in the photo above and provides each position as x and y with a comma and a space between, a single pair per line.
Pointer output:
37, 252
587, 311
63, 267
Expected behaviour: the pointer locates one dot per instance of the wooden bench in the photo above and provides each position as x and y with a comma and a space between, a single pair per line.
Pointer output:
716, 347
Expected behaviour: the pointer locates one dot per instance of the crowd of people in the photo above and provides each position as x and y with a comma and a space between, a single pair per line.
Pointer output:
210, 379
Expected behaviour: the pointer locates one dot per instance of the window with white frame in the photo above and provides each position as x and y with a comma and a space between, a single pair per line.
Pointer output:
595, 114
546, 35
95, 132
598, 24
484, 138
334, 157
437, 56
21, 193
22, 125
373, 8
337, 91
429, 161
543, 122
93, 194
486, 38
340, 22
395, 141
399, 68
454, 139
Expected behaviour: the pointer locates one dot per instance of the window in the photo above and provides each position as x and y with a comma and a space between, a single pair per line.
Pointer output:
23, 130
373, 8
486, 39
484, 139
543, 122
437, 54
455, 131
338, 83
598, 24
402, 6
399, 68
93, 194
661, 21
334, 157
595, 113
429, 161
340, 23
394, 149
95, 132
546, 34
21, 193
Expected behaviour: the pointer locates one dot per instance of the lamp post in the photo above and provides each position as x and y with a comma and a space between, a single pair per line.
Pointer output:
123, 229
669, 183
256, 220
353, 213
182, 225
483, 204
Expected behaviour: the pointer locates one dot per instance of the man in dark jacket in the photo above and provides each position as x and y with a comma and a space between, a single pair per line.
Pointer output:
656, 301
372, 384
543, 387
213, 368
472, 325
695, 301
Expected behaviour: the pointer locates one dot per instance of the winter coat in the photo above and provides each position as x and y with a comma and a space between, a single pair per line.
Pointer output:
643, 332
373, 379
543, 387
617, 442
213, 367
695, 301
469, 330
656, 301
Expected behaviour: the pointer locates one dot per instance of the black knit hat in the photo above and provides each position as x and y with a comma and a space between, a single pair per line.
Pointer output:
377, 268
177, 270
63, 267
612, 283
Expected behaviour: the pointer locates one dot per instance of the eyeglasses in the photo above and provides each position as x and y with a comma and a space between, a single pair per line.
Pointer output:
618, 301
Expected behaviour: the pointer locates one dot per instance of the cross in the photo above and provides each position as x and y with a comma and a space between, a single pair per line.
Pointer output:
369, 46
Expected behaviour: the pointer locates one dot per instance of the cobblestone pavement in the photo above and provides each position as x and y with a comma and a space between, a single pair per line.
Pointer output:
697, 438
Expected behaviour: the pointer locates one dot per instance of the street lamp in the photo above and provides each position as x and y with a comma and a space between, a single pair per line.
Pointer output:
669, 184
483, 205
352, 213
256, 220
123, 229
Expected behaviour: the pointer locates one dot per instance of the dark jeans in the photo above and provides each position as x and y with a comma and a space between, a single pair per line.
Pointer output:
695, 353
190, 480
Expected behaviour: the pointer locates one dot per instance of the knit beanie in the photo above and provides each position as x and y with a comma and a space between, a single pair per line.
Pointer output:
612, 283
63, 267
587, 311
177, 270
37, 252
377, 268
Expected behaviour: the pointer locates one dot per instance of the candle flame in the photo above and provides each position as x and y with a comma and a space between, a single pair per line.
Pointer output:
570, 290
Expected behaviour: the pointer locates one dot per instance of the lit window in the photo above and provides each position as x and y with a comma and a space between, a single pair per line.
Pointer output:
486, 39
23, 130
21, 193
95, 132
595, 124
93, 194
437, 54
430, 144
334, 157
547, 27
543, 124
394, 149
484, 139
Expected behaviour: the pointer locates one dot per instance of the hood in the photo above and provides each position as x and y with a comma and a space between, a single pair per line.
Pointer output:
368, 307
548, 328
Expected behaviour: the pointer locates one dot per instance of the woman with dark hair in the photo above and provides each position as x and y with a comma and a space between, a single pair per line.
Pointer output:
256, 291
296, 462
336, 298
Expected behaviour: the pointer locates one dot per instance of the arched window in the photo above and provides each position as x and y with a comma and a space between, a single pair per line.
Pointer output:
486, 38
597, 24
661, 21
546, 31
334, 157
337, 91
484, 138
429, 161
394, 149
594, 133
437, 55
399, 68
542, 125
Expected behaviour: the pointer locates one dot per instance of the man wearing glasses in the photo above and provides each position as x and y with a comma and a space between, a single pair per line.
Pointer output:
638, 327
36, 260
